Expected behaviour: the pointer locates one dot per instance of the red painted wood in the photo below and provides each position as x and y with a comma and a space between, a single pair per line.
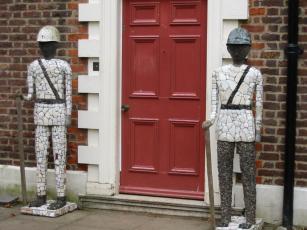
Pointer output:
164, 71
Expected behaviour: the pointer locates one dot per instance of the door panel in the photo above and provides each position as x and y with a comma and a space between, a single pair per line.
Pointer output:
185, 61
184, 147
145, 52
144, 138
164, 44
185, 12
145, 13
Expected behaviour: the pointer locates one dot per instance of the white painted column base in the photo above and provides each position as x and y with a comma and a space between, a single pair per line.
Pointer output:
95, 188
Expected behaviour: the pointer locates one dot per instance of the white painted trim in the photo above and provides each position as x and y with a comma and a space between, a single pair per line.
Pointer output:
88, 84
88, 154
88, 48
235, 9
88, 119
109, 106
102, 189
10, 178
89, 12
214, 60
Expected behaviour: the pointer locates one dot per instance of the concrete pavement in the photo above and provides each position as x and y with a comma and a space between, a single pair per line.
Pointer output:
94, 219
11, 219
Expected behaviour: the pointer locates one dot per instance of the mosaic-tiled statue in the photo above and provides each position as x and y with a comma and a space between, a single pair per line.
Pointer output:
49, 85
237, 90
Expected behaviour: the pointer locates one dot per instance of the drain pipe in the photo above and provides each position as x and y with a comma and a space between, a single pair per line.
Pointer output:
292, 52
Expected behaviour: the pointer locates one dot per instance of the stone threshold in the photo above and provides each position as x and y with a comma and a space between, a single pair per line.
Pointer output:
149, 204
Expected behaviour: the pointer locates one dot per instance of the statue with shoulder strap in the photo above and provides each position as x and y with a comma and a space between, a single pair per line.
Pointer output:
236, 91
49, 85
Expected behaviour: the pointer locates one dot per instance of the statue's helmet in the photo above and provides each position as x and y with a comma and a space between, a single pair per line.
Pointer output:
48, 34
239, 36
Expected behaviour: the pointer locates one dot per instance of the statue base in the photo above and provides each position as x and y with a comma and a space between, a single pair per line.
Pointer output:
44, 211
236, 220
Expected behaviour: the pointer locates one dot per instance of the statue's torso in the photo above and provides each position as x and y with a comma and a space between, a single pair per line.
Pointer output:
49, 114
236, 125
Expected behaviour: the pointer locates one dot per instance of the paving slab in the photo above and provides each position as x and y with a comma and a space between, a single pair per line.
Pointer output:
175, 223
115, 220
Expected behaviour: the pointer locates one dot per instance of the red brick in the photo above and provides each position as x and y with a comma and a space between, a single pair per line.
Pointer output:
73, 6
254, 28
257, 11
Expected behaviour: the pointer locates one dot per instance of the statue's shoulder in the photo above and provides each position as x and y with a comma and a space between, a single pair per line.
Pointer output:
255, 70
64, 64
222, 69
33, 65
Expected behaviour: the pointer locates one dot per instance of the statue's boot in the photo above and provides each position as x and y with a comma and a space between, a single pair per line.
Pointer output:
245, 225
59, 203
222, 224
39, 201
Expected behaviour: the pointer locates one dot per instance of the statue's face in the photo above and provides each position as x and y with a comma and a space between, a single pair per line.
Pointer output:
238, 52
48, 49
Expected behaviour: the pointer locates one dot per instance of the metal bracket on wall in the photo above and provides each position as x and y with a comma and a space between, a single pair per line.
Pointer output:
294, 49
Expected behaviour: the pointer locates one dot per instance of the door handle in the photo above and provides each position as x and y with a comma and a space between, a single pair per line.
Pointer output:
125, 108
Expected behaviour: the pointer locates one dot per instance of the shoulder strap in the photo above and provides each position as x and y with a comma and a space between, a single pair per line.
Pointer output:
238, 85
56, 94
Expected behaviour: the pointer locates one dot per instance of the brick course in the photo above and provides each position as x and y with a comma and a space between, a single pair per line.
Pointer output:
19, 23
268, 26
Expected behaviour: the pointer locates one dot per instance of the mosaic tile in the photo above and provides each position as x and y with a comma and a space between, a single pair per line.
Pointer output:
44, 211
236, 220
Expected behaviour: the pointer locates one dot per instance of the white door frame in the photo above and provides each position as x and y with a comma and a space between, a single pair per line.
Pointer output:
111, 81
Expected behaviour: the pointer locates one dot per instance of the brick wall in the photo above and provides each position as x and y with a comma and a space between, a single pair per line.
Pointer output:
21, 20
268, 25
19, 23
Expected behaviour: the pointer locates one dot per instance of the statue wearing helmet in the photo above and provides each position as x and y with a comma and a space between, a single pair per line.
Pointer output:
49, 84
235, 86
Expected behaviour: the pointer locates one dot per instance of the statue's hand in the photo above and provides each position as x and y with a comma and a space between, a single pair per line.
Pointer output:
258, 136
207, 124
67, 120
19, 95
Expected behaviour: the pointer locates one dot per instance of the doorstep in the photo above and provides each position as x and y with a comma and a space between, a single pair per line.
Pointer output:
149, 204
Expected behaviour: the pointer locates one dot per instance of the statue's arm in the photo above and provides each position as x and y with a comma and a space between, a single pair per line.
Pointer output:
68, 94
214, 102
30, 82
68, 90
259, 106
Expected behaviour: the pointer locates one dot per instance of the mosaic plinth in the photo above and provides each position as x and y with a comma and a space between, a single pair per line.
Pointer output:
236, 220
44, 211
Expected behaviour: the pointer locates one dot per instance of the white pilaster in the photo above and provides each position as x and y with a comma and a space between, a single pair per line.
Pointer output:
109, 106
214, 60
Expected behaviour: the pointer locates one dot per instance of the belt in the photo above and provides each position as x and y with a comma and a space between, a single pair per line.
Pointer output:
50, 101
236, 107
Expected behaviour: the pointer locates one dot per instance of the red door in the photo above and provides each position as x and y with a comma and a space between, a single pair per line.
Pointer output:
164, 66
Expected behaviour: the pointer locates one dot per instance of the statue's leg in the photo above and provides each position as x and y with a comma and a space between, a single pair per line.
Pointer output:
248, 168
59, 154
225, 153
42, 134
